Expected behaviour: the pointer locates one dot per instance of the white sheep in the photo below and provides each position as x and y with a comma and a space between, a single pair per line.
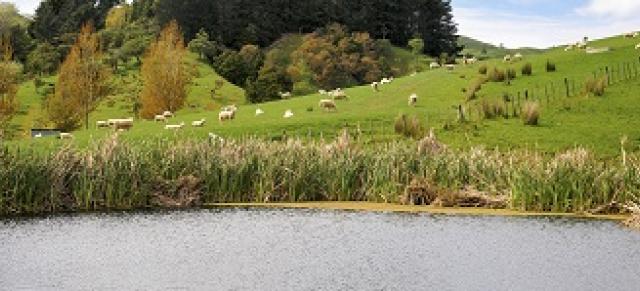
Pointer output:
414, 74
160, 117
288, 114
285, 95
259, 112
226, 115
518, 57
232, 107
434, 65
506, 58
638, 46
323, 92
338, 94
470, 61
569, 47
167, 114
413, 99
450, 67
328, 104
375, 86
385, 81
174, 126
199, 123
102, 124
66, 135
38, 135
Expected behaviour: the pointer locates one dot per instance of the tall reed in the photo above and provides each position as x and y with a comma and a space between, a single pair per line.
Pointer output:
117, 174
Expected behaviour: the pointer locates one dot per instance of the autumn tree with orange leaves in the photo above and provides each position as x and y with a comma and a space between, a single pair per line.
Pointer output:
82, 82
9, 78
164, 73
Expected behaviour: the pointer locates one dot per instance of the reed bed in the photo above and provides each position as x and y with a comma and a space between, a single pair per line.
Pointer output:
125, 175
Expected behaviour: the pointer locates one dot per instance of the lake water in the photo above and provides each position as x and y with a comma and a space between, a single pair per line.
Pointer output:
314, 250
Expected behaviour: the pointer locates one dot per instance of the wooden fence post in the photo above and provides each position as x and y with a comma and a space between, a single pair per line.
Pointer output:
566, 85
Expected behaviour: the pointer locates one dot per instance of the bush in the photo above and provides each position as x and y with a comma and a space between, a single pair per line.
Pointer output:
551, 67
409, 126
482, 70
474, 88
492, 109
497, 75
531, 113
527, 69
596, 86
511, 73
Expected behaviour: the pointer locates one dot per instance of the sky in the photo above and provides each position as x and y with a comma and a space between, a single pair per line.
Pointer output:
525, 23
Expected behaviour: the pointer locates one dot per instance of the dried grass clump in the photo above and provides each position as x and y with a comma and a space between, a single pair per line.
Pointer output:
634, 220
531, 113
596, 87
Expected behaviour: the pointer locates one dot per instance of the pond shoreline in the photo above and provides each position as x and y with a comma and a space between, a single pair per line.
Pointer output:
397, 208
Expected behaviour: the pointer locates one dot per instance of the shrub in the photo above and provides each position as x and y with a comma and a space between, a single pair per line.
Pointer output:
531, 113
551, 67
511, 73
482, 70
596, 86
491, 109
409, 126
474, 88
527, 69
497, 75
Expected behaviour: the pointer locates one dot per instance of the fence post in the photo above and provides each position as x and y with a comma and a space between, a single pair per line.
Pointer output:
573, 87
608, 76
566, 85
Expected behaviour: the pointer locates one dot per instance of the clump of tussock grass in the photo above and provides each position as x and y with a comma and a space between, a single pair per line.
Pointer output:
596, 86
474, 88
550, 66
117, 174
409, 126
527, 69
482, 70
634, 220
496, 75
531, 113
492, 109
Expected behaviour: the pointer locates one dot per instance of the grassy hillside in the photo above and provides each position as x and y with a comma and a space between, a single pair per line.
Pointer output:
478, 48
595, 122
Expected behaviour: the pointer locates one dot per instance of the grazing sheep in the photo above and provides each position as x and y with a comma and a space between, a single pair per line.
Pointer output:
39, 135
323, 92
328, 104
470, 61
174, 126
160, 118
434, 65
591, 50
285, 95
66, 135
413, 99
167, 114
288, 114
450, 67
199, 123
122, 126
121, 123
375, 86
518, 57
638, 46
226, 115
414, 74
232, 107
569, 47
102, 124
338, 94
507, 58
385, 81
259, 112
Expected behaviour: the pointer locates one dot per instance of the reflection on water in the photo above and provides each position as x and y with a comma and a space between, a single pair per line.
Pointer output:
311, 250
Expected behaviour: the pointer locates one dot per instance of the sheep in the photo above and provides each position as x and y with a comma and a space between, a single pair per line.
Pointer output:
385, 81
413, 99
199, 123
288, 114
174, 126
259, 112
167, 114
102, 124
636, 34
232, 107
285, 95
121, 123
38, 135
66, 135
414, 74
327, 104
375, 86
434, 65
507, 58
160, 117
638, 46
226, 115
629, 35
569, 47
122, 126
323, 92
518, 57
591, 50
338, 94
470, 61
450, 67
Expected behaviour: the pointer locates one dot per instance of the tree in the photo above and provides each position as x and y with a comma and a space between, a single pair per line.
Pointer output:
417, 47
117, 17
200, 43
44, 59
81, 82
9, 77
164, 73
269, 83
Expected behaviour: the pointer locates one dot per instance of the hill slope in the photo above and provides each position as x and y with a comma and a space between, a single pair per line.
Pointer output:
479, 48
597, 123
